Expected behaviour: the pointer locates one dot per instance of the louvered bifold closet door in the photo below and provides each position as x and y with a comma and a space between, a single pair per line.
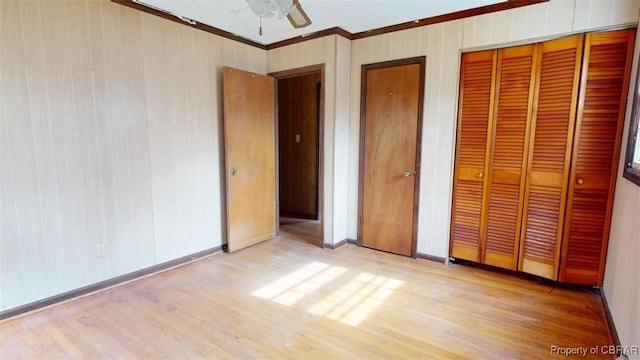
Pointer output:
474, 120
512, 110
602, 101
552, 126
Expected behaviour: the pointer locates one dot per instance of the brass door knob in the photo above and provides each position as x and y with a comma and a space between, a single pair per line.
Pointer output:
580, 181
480, 174
234, 172
408, 173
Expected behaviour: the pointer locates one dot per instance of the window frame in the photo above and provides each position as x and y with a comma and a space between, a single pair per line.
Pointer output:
632, 159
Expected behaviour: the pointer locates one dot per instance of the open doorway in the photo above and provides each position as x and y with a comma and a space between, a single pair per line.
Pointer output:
299, 118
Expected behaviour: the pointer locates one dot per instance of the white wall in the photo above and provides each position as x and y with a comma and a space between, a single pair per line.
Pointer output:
442, 45
334, 52
109, 134
621, 277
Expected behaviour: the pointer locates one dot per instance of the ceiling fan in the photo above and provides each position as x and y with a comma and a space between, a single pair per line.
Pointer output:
279, 9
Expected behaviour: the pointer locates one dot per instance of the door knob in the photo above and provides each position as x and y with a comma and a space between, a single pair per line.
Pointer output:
580, 181
408, 173
234, 172
480, 174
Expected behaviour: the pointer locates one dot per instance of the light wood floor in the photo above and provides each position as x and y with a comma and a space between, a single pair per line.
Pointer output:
286, 298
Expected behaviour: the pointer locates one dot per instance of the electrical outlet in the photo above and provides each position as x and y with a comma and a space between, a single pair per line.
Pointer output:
101, 250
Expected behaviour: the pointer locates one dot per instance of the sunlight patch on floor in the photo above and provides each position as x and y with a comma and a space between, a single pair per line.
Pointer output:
358, 298
350, 304
291, 288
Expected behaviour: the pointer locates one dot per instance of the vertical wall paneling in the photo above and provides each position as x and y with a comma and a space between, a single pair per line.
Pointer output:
550, 18
601, 14
547, 20
23, 223
621, 274
341, 136
128, 135
438, 137
90, 153
171, 138
109, 138
334, 52
441, 44
7, 204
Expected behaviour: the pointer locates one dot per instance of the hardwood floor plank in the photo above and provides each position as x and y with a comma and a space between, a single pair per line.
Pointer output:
288, 298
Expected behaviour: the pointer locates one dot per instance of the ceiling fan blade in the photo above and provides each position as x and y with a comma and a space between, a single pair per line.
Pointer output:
298, 17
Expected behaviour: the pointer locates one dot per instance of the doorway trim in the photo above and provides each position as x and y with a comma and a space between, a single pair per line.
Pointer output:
421, 60
285, 74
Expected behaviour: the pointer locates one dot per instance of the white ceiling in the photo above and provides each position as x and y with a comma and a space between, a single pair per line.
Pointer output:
354, 16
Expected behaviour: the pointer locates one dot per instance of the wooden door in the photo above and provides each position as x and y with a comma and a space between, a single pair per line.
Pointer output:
475, 115
512, 112
249, 141
389, 156
602, 101
550, 144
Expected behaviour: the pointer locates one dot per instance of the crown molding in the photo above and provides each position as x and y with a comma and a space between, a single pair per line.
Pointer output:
196, 25
509, 4
318, 34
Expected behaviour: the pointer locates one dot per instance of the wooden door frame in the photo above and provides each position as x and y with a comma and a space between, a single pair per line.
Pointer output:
285, 74
421, 60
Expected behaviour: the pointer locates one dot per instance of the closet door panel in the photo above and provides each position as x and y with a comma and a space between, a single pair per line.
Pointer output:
514, 97
602, 102
475, 113
552, 126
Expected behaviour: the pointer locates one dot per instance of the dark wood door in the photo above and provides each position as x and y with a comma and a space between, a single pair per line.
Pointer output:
298, 118
512, 111
552, 126
392, 98
475, 116
249, 141
602, 102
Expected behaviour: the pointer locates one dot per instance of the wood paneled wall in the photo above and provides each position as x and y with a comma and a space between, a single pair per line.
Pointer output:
110, 136
341, 135
442, 44
547, 20
621, 284
335, 53
298, 112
